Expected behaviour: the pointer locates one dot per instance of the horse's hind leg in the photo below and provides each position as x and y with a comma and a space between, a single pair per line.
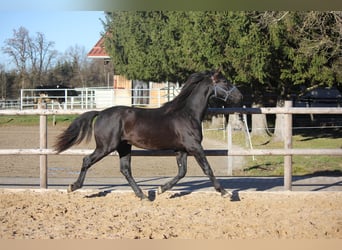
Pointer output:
124, 151
182, 168
88, 161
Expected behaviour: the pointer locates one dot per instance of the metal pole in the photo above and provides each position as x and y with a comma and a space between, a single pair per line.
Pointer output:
288, 145
244, 117
21, 99
230, 147
66, 99
86, 98
43, 145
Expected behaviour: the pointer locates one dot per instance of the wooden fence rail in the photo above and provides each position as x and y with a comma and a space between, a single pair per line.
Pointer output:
287, 151
209, 152
277, 110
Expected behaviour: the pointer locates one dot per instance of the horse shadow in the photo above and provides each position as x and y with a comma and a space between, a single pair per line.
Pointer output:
237, 184
234, 184
193, 184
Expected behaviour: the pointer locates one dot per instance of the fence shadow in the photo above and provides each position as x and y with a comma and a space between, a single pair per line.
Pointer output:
237, 184
324, 132
318, 181
234, 183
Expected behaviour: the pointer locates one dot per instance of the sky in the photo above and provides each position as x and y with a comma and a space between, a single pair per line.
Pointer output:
65, 28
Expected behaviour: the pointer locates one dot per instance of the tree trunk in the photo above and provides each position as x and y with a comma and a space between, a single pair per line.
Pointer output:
236, 122
259, 123
279, 133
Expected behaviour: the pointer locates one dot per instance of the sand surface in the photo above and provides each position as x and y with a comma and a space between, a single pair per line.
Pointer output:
89, 214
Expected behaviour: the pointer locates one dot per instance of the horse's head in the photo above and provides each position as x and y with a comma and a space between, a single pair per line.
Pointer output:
224, 90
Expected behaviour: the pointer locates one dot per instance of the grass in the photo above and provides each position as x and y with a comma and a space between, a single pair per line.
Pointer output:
302, 165
33, 120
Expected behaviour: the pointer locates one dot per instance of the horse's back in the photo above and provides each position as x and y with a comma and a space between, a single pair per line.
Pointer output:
144, 128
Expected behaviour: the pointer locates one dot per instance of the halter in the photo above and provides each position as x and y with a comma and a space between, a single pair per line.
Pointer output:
227, 92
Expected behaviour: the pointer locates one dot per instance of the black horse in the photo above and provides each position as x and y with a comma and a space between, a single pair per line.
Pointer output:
57, 92
174, 126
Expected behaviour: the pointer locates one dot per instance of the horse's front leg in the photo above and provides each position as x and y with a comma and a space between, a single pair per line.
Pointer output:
182, 167
204, 164
125, 168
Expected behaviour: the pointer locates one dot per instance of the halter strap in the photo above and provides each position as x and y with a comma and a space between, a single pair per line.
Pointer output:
227, 92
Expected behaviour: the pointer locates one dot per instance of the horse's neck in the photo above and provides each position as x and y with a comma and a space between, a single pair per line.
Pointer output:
197, 102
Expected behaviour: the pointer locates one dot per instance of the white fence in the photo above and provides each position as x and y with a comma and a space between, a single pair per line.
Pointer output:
287, 151
9, 104
94, 97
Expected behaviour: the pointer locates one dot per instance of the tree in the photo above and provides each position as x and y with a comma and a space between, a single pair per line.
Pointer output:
7, 83
31, 55
61, 73
3, 82
77, 56
136, 44
73, 68
165, 45
17, 48
306, 49
41, 54
38, 63
249, 56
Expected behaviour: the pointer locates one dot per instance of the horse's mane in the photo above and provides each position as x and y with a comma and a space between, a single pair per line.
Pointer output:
179, 101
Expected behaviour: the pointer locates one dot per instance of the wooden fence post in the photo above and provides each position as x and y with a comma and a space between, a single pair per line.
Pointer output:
288, 145
43, 145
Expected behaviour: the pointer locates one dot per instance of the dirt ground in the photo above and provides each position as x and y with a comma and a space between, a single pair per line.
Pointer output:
120, 215
69, 166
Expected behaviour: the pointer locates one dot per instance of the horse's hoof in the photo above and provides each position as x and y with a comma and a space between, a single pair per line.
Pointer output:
152, 195
71, 188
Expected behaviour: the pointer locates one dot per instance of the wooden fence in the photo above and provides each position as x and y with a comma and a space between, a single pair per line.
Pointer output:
287, 151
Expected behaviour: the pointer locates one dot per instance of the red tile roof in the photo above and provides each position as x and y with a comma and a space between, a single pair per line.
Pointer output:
98, 51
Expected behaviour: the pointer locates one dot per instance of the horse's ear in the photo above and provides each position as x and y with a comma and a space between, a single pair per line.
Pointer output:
214, 77
217, 72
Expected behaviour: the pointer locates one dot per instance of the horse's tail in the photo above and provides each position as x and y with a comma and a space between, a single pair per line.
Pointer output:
79, 129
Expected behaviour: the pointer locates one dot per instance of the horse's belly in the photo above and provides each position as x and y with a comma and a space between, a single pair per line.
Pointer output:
154, 140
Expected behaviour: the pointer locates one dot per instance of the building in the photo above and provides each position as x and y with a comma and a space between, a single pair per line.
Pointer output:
123, 91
